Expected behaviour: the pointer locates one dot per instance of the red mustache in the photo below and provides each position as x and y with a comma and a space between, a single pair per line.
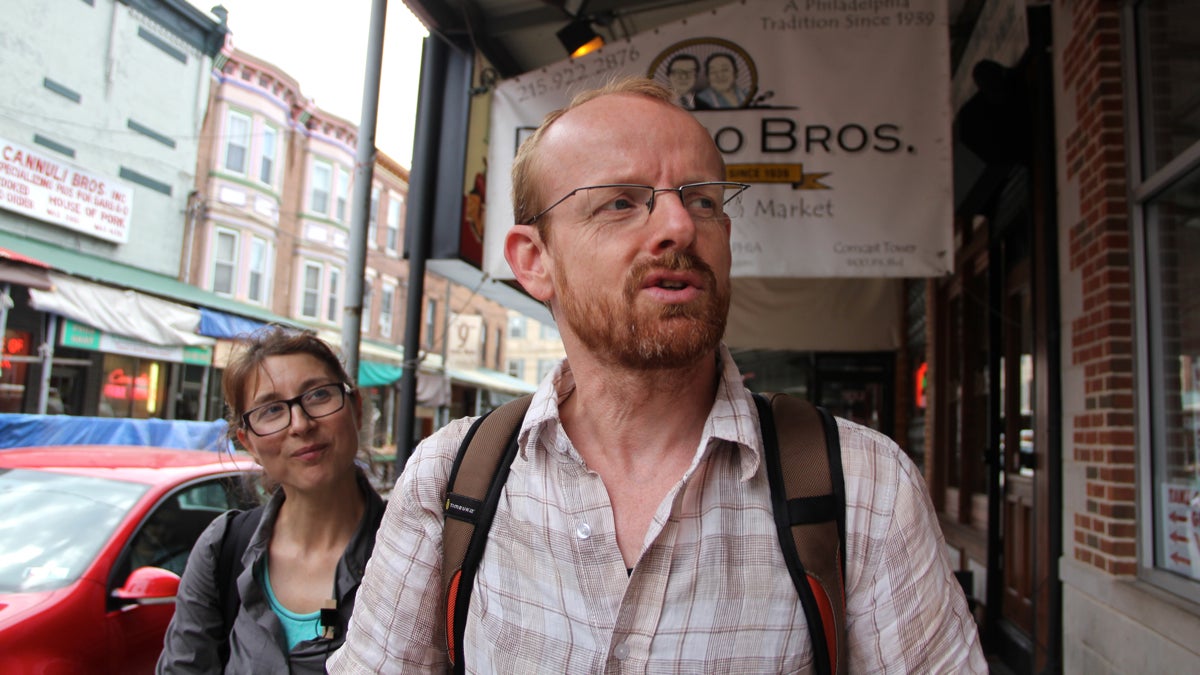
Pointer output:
671, 261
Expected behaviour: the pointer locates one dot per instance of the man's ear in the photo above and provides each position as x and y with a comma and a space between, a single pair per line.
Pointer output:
530, 261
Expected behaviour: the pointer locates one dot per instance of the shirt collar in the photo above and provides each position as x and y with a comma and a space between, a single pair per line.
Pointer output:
733, 417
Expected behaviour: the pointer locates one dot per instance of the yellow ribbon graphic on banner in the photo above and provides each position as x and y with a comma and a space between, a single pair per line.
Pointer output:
777, 173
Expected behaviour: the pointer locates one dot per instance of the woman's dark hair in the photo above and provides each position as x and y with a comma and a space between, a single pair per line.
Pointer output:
720, 55
250, 354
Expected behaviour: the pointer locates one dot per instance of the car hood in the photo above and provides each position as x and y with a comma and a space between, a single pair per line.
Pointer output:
16, 607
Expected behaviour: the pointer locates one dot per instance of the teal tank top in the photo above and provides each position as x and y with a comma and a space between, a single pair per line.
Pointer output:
296, 627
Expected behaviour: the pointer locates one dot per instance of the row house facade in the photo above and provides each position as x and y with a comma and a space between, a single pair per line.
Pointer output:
102, 105
272, 227
534, 349
151, 215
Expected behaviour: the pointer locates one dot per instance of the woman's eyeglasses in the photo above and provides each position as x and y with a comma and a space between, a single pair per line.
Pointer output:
271, 418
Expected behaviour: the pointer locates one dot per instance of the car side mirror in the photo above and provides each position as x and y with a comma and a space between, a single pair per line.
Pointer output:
149, 586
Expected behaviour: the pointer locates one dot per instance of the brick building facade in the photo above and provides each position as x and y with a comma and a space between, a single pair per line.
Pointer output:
1062, 425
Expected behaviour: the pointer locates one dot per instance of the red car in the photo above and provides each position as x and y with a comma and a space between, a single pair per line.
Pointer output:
92, 540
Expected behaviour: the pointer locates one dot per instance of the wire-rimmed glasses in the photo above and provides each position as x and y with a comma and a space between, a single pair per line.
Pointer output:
629, 204
274, 417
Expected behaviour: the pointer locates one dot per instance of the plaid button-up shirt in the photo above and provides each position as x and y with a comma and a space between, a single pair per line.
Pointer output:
710, 592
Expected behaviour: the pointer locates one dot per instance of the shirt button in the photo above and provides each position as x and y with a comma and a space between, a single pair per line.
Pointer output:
583, 530
621, 651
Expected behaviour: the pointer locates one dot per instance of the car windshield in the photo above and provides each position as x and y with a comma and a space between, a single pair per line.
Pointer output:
54, 524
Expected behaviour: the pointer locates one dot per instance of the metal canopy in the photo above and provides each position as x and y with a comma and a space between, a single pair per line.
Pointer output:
518, 36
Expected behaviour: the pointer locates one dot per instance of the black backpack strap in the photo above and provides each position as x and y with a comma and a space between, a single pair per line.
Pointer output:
478, 476
802, 451
238, 531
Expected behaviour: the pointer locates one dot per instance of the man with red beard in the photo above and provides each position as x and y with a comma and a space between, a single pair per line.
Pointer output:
635, 531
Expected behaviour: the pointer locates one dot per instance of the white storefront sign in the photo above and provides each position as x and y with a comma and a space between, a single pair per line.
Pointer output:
464, 347
1180, 528
42, 187
838, 114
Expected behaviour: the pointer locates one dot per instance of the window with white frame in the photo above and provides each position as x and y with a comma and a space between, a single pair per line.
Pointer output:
364, 324
237, 142
343, 193
270, 147
259, 271
385, 310
516, 368
544, 367
516, 326
322, 180
225, 262
310, 292
332, 294
393, 223
1166, 217
549, 331
373, 219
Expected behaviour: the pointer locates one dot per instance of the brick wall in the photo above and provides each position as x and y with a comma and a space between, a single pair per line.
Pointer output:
1100, 339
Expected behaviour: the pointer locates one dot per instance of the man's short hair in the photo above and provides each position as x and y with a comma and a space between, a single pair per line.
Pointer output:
682, 57
526, 193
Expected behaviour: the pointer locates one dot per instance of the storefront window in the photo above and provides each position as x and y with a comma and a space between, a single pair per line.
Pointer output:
13, 370
1167, 221
132, 387
1168, 35
1172, 223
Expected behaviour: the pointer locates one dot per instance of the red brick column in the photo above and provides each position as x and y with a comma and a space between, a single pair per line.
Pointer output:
1100, 340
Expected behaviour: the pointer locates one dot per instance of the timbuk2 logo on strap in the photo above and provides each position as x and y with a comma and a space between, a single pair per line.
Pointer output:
802, 453
462, 508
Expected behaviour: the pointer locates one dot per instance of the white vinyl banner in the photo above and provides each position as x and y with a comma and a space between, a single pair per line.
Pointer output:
40, 186
837, 111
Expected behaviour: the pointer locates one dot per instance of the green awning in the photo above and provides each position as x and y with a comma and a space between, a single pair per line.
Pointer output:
375, 374
106, 271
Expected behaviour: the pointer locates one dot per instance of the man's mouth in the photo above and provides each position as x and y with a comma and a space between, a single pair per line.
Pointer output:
677, 276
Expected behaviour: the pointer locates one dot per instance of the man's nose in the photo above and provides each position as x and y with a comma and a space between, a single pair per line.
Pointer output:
670, 223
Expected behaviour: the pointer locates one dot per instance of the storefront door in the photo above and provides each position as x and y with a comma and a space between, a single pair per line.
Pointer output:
1017, 457
1021, 554
67, 390
858, 387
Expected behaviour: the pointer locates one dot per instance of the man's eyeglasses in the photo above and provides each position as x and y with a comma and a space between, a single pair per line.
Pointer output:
271, 418
623, 204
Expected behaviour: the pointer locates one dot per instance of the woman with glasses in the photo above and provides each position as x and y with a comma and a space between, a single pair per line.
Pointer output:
293, 407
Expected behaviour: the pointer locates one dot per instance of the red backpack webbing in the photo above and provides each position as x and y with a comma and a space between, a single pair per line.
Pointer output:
802, 450
807, 496
471, 495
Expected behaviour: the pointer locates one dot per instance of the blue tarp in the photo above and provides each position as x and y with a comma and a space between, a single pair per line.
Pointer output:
19, 431
221, 325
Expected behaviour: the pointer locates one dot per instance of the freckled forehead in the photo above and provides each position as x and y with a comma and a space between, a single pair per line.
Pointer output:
630, 134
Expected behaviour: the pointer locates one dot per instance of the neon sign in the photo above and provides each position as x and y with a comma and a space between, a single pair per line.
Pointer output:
123, 387
921, 384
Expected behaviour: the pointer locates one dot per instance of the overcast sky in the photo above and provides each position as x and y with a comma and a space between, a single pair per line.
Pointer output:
323, 45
